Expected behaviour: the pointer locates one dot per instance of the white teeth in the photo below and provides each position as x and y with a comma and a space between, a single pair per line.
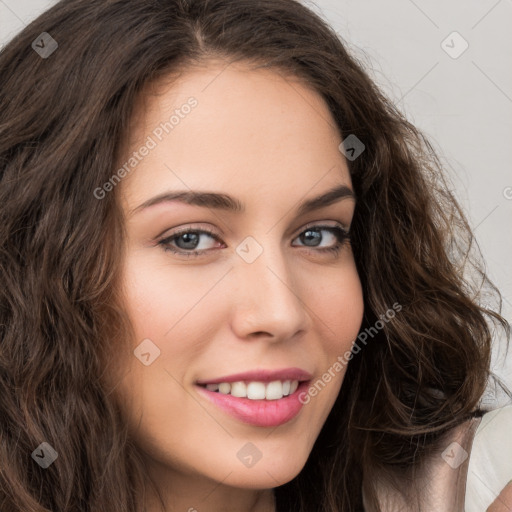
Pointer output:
224, 388
274, 390
239, 389
256, 390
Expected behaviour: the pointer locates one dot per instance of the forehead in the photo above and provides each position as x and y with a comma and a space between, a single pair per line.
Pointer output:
248, 129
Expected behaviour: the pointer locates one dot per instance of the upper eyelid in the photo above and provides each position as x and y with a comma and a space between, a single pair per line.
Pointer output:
322, 224
211, 232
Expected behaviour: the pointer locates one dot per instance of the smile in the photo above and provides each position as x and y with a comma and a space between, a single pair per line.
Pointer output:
258, 398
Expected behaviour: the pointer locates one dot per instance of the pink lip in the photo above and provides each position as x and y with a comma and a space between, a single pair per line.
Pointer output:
262, 376
260, 413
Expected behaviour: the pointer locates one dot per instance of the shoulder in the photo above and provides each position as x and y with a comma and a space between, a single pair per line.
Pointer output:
452, 476
490, 461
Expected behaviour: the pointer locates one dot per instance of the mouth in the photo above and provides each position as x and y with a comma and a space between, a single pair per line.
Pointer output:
261, 398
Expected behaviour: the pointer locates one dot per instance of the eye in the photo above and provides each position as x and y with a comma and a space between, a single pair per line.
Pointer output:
187, 241
312, 236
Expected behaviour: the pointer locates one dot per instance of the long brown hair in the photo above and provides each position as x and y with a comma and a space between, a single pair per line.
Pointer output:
62, 123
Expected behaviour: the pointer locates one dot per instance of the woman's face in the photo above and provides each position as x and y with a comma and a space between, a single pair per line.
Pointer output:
265, 304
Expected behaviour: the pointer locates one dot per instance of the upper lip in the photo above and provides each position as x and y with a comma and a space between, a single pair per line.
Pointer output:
261, 376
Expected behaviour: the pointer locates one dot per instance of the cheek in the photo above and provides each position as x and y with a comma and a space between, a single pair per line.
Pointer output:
340, 308
159, 296
166, 332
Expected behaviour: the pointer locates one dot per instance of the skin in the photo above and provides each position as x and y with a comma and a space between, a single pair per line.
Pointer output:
270, 142
503, 502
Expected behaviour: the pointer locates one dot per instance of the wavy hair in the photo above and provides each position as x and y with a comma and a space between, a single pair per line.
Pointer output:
63, 120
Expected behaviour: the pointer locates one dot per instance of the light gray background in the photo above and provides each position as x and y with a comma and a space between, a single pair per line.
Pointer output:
464, 104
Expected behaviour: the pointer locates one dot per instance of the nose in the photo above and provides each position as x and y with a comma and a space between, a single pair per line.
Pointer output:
268, 299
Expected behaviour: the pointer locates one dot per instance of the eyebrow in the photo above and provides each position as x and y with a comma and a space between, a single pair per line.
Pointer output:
226, 202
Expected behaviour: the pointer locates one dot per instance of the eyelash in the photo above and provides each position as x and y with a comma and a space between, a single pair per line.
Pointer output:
342, 235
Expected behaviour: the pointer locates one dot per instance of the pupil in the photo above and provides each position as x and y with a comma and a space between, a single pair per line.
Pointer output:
316, 235
194, 239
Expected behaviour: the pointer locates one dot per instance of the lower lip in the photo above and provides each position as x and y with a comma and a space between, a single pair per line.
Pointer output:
260, 413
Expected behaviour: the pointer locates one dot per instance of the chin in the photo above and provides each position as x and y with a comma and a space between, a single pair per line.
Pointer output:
265, 474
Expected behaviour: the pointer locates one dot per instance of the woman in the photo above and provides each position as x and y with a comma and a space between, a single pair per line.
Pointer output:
144, 370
